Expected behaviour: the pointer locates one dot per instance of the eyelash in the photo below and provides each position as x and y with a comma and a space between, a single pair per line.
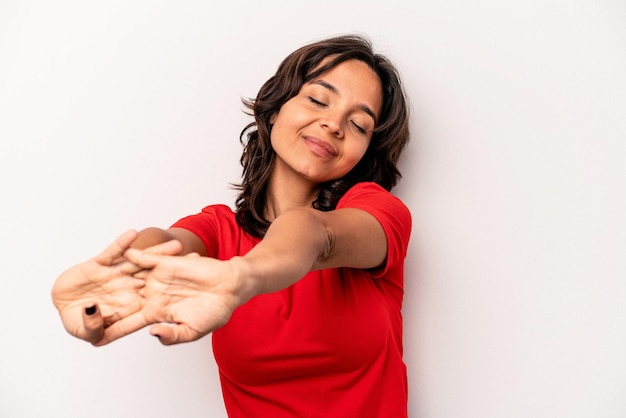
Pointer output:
321, 104
360, 129
317, 102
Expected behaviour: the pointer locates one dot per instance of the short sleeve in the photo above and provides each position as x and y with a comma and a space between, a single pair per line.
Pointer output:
392, 214
208, 226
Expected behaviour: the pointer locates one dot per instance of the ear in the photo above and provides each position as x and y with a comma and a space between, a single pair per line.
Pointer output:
273, 118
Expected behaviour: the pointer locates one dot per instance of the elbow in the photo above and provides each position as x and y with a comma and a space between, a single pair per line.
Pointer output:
314, 232
322, 234
327, 244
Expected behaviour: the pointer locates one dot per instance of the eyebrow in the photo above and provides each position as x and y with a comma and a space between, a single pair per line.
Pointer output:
334, 90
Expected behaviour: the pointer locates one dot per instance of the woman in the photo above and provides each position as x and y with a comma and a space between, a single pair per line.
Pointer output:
302, 285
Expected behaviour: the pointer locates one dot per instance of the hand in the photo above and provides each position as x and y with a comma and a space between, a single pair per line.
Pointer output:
93, 295
194, 294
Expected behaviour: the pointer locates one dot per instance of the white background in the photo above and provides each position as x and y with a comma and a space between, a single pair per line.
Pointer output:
126, 114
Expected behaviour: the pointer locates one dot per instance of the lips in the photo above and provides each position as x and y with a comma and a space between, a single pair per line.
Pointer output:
320, 147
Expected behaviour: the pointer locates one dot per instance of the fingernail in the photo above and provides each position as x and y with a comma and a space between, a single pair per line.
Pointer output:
90, 310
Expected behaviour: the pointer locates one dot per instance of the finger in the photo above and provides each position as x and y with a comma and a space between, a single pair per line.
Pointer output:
129, 268
116, 249
93, 323
172, 247
121, 328
142, 275
174, 334
142, 258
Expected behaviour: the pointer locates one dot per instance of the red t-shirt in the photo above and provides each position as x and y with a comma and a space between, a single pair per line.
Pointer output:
328, 346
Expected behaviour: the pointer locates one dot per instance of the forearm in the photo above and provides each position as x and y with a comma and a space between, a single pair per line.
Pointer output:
153, 236
290, 249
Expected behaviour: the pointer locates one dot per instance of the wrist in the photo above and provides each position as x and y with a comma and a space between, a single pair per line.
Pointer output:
245, 286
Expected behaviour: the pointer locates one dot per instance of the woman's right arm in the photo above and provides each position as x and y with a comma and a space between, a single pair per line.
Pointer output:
189, 241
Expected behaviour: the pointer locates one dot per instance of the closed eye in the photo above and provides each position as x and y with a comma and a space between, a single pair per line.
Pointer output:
359, 128
316, 102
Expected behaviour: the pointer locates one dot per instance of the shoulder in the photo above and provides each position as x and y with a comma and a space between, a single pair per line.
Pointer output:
210, 215
215, 225
393, 215
370, 196
220, 209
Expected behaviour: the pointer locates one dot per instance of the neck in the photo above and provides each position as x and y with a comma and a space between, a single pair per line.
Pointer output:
288, 192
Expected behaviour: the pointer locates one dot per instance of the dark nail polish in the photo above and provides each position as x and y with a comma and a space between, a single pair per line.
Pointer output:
90, 310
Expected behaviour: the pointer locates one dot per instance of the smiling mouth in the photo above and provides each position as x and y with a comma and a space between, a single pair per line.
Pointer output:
320, 147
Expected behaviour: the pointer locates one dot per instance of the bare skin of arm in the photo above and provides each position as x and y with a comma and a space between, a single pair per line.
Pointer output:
152, 236
196, 295
304, 240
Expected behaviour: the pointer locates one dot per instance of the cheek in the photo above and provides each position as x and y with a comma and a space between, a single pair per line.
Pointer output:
358, 151
277, 130
284, 121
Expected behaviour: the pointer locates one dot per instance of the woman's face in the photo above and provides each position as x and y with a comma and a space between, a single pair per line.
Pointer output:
321, 133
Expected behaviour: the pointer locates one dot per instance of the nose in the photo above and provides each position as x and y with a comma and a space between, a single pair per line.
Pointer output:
334, 123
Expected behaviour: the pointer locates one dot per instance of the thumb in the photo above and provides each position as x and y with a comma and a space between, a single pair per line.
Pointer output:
123, 327
174, 334
93, 323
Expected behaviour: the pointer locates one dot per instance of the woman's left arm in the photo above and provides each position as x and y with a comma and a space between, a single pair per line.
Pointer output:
303, 240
